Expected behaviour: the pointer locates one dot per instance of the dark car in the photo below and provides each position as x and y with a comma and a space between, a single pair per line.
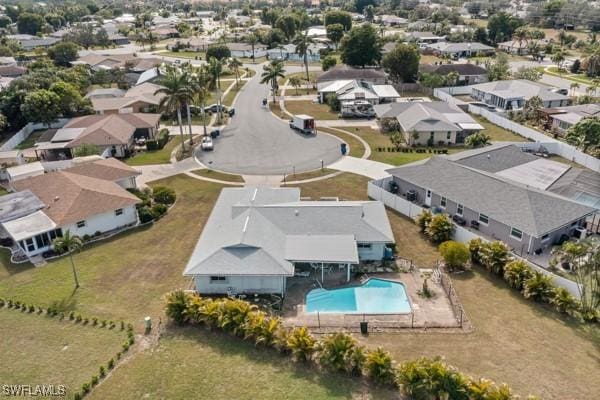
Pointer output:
214, 108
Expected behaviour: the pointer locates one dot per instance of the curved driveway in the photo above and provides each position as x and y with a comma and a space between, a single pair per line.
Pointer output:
257, 143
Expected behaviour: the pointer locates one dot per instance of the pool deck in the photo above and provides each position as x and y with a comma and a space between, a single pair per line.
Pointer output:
427, 313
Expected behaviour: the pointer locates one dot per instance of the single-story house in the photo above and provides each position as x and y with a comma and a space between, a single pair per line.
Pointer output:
165, 32
345, 72
512, 94
138, 99
115, 133
393, 20
12, 71
10, 158
563, 118
129, 62
118, 39
71, 200
255, 238
524, 217
288, 52
458, 50
520, 48
193, 43
30, 42
350, 90
468, 74
24, 170
317, 31
424, 37
244, 50
5, 60
429, 123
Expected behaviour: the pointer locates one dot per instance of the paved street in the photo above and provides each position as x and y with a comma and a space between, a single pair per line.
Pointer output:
257, 143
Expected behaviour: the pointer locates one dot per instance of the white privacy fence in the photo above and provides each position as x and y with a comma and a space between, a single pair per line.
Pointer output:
27, 130
377, 190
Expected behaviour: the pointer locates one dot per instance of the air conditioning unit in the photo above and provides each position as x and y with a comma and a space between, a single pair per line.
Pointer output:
580, 233
411, 195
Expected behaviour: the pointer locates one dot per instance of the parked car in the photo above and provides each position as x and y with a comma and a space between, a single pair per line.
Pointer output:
215, 108
207, 143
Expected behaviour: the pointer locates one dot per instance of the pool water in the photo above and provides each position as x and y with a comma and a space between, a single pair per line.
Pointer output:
375, 296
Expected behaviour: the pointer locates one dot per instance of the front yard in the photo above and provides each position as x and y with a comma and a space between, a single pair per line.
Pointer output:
162, 156
315, 110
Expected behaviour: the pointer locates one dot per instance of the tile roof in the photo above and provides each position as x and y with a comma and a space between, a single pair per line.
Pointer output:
110, 129
106, 168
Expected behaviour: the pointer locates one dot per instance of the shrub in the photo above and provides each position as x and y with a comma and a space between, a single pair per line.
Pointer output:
516, 273
86, 321
145, 214
301, 344
158, 210
379, 367
122, 325
78, 318
440, 228
111, 325
475, 246
455, 254
94, 321
142, 195
151, 145
111, 364
1, 303
86, 238
77, 396
103, 323
564, 301
426, 379
423, 220
85, 388
125, 346
261, 328
335, 351
94, 381
164, 195
71, 315
31, 309
102, 371
494, 256
176, 306
328, 62
539, 287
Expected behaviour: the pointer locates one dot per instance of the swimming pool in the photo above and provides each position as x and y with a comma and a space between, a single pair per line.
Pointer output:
375, 296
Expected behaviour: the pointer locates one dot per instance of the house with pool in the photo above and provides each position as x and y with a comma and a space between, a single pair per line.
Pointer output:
257, 238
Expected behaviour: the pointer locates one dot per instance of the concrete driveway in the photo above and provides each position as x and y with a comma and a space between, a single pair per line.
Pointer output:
257, 143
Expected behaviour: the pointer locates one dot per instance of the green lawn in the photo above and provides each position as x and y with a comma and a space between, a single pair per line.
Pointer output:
310, 175
230, 96
497, 133
579, 78
162, 156
356, 147
210, 173
36, 349
183, 54
31, 140
315, 110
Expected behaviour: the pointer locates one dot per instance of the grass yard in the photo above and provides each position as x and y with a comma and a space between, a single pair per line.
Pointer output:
194, 55
276, 109
497, 133
162, 156
309, 175
300, 91
230, 96
356, 147
516, 341
213, 365
36, 349
315, 110
31, 140
579, 78
210, 173
126, 276
8, 267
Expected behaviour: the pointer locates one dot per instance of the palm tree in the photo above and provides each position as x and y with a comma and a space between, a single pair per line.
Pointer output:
235, 65
176, 93
573, 87
71, 244
215, 67
199, 83
558, 57
521, 35
252, 39
295, 82
273, 71
152, 39
302, 43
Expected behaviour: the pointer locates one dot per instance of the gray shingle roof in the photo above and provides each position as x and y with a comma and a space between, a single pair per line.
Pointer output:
499, 159
519, 88
529, 210
427, 116
341, 72
260, 231
445, 69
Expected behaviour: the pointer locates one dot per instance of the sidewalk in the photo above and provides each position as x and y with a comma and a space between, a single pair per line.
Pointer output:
361, 166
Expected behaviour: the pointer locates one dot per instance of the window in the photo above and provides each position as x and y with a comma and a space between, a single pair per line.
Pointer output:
366, 246
29, 244
119, 212
218, 279
443, 202
81, 224
431, 134
515, 233
448, 135
459, 209
483, 219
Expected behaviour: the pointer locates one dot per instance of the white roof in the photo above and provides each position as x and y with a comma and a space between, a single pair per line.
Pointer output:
470, 126
50, 145
385, 91
303, 116
321, 248
29, 226
66, 134
25, 170
333, 86
540, 173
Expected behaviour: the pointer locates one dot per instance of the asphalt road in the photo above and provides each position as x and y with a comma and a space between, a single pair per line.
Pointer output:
257, 143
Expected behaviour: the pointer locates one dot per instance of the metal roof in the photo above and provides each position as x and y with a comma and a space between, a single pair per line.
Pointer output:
29, 226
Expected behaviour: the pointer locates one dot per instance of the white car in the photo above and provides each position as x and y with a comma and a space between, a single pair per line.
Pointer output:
206, 144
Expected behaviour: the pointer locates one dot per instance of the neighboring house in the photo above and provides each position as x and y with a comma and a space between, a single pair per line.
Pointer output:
22, 171
317, 31
458, 50
424, 37
129, 62
393, 20
165, 32
118, 39
138, 99
520, 48
525, 218
468, 74
12, 71
5, 61
256, 236
345, 72
71, 200
192, 44
563, 118
351, 90
512, 94
429, 123
288, 52
114, 133
244, 50
30, 42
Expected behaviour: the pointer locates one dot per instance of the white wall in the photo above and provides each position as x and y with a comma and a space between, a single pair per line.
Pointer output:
375, 253
104, 222
27, 130
241, 284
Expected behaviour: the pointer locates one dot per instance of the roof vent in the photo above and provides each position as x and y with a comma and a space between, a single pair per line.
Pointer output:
489, 156
56, 198
296, 212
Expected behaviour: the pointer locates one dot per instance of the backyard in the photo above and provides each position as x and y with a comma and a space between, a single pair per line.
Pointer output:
497, 133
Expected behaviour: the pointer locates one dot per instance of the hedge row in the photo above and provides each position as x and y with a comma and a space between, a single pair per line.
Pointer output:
422, 379
411, 150
78, 319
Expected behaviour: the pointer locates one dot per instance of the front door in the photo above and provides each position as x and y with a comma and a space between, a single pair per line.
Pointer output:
428, 197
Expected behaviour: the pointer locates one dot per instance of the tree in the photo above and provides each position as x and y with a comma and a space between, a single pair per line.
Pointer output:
440, 228
521, 35
70, 99
573, 87
584, 134
361, 47
215, 68
529, 73
335, 33
558, 57
288, 25
41, 105
339, 17
271, 73
575, 67
498, 70
235, 65
71, 244
455, 254
29, 23
199, 82
478, 139
302, 43
328, 62
452, 78
533, 108
63, 53
218, 51
86, 149
432, 81
296, 82
396, 138
252, 39
501, 26
402, 63
176, 93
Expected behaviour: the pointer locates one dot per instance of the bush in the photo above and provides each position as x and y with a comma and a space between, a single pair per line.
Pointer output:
494, 256
426, 379
102, 371
539, 287
164, 195
455, 254
158, 210
145, 214
379, 367
516, 273
77, 396
328, 62
440, 228
111, 364
301, 344
85, 388
71, 315
176, 306
144, 195
335, 352
78, 318
151, 145
423, 220
94, 380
